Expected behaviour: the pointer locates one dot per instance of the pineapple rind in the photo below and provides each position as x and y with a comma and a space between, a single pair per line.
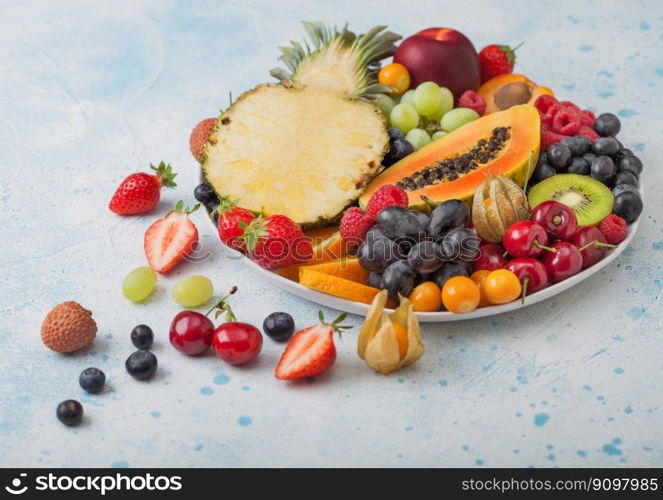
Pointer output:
304, 152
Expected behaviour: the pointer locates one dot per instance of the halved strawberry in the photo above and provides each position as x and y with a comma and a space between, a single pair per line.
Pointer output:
170, 239
310, 351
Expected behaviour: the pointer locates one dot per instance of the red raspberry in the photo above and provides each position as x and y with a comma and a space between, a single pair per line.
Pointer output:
354, 225
614, 228
386, 196
587, 118
566, 121
588, 132
472, 100
569, 104
548, 138
548, 107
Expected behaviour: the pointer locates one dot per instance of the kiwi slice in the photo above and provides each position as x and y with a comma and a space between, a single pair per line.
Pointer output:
589, 199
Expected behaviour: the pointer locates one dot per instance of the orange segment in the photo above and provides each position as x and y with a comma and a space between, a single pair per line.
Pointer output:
339, 287
347, 268
326, 248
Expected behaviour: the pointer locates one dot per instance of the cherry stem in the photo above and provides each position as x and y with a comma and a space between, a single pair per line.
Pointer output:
544, 247
221, 304
525, 282
505, 254
597, 243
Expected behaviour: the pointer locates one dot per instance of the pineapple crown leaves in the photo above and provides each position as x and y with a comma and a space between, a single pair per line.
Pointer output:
165, 174
180, 208
336, 324
253, 231
370, 48
223, 308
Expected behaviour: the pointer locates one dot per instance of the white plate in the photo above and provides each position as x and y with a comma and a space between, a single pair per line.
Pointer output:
362, 309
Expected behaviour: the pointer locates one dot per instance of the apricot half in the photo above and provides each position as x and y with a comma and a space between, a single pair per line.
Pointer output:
508, 90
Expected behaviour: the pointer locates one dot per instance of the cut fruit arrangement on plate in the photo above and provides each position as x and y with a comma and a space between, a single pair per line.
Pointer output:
434, 184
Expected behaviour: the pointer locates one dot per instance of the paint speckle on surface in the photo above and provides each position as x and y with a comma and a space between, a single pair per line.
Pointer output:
206, 391
586, 48
657, 245
221, 379
246, 388
636, 312
551, 457
465, 447
618, 370
611, 449
478, 461
540, 419
155, 414
244, 421
122, 464
198, 448
628, 410
582, 453
443, 383
408, 428
627, 113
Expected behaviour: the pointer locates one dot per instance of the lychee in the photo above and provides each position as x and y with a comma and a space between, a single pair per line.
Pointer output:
199, 136
68, 327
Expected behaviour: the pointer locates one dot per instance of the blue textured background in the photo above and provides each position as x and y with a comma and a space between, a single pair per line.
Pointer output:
92, 91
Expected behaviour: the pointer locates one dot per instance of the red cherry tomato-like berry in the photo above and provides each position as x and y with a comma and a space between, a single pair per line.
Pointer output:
531, 273
525, 238
191, 332
592, 245
564, 262
491, 257
237, 343
557, 219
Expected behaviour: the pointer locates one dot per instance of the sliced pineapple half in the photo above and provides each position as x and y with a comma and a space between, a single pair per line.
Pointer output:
303, 152
338, 59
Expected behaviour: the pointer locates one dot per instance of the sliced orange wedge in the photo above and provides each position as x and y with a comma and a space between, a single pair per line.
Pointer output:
325, 249
347, 268
339, 287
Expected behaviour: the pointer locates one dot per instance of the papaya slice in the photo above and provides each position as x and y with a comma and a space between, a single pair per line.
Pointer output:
339, 287
504, 91
454, 166
346, 268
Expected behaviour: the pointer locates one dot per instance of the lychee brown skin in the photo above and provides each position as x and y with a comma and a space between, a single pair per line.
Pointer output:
199, 136
68, 327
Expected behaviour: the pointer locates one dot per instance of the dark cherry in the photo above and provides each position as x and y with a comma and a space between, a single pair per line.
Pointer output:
191, 332
562, 263
491, 257
592, 245
531, 273
557, 219
525, 238
237, 343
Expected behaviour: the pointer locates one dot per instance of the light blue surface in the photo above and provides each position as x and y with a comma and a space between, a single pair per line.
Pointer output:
92, 91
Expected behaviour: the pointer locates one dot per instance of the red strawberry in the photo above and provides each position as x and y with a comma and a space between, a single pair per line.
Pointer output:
496, 60
170, 239
139, 193
354, 225
588, 132
566, 121
310, 351
472, 100
232, 222
587, 118
276, 241
387, 196
199, 136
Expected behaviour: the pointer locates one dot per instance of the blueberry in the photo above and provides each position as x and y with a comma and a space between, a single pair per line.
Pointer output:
605, 146
579, 166
205, 194
603, 169
590, 157
543, 159
559, 155
628, 206
398, 223
451, 269
398, 278
142, 337
141, 365
607, 124
70, 412
621, 153
542, 172
447, 216
375, 280
376, 255
425, 257
279, 326
92, 380
398, 150
626, 177
422, 217
583, 144
574, 145
461, 244
395, 133
622, 188
373, 234
631, 164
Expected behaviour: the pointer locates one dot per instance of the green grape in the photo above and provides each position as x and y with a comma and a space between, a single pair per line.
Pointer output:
446, 104
427, 98
407, 98
139, 284
457, 118
404, 117
438, 134
418, 138
385, 104
192, 291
